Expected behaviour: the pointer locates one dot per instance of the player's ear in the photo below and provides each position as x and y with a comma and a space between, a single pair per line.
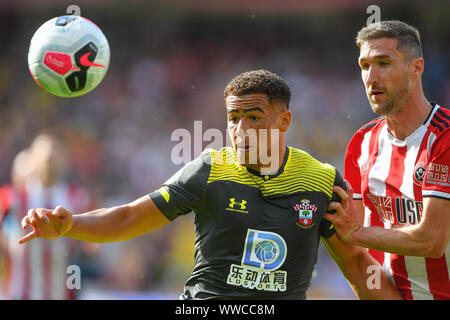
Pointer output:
417, 67
285, 122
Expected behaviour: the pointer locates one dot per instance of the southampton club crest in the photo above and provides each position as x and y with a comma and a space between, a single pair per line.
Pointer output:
305, 213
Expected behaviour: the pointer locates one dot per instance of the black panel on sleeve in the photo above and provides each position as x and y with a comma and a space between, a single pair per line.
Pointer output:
326, 227
184, 191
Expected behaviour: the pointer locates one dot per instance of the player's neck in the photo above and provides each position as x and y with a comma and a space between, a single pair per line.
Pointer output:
413, 114
275, 163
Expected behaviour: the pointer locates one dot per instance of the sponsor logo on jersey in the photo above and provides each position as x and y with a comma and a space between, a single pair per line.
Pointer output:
397, 210
305, 213
237, 206
438, 175
264, 253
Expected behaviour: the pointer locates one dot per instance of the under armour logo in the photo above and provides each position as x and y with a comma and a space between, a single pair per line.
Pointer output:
236, 206
233, 202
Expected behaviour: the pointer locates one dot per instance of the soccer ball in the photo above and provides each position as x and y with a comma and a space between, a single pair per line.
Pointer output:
68, 56
265, 251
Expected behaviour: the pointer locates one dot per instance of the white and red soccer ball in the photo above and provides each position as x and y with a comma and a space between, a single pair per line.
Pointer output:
68, 56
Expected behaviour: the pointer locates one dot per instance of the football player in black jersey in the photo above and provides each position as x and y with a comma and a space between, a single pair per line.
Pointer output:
258, 220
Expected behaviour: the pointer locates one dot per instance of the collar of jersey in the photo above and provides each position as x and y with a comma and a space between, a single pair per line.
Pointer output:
416, 133
270, 176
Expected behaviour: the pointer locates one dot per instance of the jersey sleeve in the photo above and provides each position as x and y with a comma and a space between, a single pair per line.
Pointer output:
326, 228
352, 172
184, 191
437, 177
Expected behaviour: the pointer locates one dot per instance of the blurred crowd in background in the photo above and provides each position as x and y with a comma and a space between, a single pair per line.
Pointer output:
169, 68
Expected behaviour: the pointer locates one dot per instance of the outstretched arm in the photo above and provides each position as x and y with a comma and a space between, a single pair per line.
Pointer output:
113, 224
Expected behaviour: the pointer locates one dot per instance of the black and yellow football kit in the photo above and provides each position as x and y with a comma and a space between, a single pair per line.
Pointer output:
257, 236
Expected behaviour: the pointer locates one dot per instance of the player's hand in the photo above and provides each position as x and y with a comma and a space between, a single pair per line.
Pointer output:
46, 223
346, 219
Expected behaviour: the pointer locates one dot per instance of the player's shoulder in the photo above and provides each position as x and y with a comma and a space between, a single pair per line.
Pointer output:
211, 157
439, 122
303, 165
372, 125
224, 161
439, 129
196, 169
225, 155
303, 159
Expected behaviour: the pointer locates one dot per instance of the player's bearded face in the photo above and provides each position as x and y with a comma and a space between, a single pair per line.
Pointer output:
253, 126
385, 75
394, 100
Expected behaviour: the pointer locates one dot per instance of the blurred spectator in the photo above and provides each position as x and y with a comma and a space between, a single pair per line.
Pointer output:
168, 68
37, 270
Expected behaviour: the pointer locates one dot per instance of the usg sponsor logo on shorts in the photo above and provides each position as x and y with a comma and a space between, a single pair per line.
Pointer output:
264, 253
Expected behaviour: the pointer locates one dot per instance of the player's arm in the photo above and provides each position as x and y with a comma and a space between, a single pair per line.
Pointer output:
364, 274
113, 224
429, 238
181, 194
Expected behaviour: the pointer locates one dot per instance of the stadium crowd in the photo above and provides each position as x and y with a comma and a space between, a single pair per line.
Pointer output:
165, 76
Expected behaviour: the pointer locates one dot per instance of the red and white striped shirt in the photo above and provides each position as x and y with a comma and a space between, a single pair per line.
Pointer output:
392, 176
37, 269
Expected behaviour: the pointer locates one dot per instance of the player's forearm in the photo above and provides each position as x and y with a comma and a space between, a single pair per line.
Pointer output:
407, 241
101, 225
368, 280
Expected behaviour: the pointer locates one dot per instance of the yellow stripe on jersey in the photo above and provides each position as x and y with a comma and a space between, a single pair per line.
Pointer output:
225, 167
164, 193
301, 173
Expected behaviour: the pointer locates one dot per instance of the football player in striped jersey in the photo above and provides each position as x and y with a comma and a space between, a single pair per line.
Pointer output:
398, 167
258, 220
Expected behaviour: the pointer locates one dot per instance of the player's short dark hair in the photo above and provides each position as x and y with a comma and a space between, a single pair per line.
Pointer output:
408, 37
259, 81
